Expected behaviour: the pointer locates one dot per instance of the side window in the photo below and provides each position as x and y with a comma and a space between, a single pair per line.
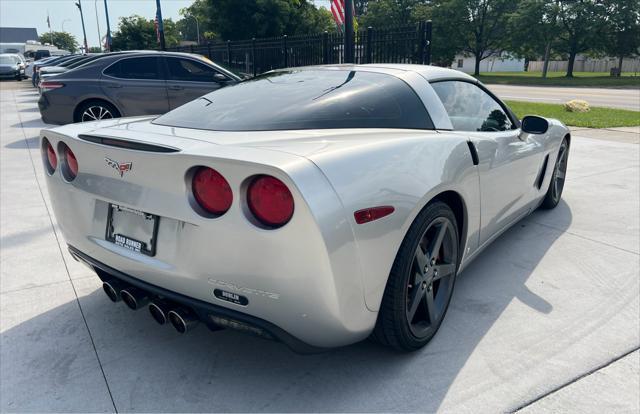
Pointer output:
134, 68
470, 108
190, 70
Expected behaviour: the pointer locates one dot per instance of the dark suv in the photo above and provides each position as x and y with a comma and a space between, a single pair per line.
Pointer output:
129, 84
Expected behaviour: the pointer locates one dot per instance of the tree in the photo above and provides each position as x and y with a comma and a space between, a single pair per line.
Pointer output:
244, 19
581, 28
479, 26
384, 13
622, 29
137, 33
533, 27
62, 40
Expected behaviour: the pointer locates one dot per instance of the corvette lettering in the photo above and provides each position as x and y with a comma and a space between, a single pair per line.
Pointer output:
121, 167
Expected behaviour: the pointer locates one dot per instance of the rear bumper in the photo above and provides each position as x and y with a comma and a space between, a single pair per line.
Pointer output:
204, 310
303, 278
54, 113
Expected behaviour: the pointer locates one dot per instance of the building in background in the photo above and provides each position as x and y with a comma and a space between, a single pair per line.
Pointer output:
498, 63
24, 40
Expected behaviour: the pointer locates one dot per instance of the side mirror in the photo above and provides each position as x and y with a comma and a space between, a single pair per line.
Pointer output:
532, 124
219, 77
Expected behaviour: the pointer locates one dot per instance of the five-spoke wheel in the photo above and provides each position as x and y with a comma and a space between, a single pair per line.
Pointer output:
554, 192
95, 111
421, 282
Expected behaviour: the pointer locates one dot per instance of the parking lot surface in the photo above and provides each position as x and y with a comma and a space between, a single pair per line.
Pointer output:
546, 319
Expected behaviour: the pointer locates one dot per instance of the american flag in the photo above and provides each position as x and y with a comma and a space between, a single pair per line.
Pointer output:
337, 9
157, 27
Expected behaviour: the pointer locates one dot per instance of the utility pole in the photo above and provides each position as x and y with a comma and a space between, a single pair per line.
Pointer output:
106, 13
197, 27
348, 31
160, 25
84, 32
95, 7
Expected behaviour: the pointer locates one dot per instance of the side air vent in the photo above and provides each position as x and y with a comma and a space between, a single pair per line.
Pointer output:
543, 170
132, 145
474, 152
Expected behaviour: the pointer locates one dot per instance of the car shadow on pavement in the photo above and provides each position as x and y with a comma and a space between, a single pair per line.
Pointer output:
31, 123
152, 368
28, 143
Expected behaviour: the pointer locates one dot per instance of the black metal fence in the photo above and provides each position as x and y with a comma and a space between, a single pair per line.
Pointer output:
406, 44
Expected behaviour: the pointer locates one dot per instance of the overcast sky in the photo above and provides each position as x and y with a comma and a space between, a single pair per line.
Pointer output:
33, 13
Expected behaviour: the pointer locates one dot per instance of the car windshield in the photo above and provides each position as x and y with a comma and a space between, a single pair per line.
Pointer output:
9, 60
305, 99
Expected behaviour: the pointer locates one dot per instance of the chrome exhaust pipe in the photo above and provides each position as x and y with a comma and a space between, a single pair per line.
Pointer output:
134, 298
159, 311
112, 289
183, 320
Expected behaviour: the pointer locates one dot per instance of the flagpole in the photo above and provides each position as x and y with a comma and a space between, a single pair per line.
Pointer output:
348, 32
106, 13
84, 32
160, 25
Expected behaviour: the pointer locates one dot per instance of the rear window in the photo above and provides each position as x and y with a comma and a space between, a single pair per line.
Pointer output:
134, 68
305, 99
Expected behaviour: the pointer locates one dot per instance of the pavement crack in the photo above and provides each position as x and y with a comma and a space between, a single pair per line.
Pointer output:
583, 237
55, 233
574, 380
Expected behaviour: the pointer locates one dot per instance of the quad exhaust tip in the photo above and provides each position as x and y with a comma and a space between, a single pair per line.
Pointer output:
134, 298
182, 320
112, 289
159, 311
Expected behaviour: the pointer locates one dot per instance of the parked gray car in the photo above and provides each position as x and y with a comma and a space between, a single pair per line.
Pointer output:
129, 84
11, 66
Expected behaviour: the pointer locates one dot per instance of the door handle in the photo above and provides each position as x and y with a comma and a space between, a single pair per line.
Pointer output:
176, 87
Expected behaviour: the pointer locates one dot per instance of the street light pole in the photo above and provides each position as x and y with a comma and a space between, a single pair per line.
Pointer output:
197, 27
106, 13
62, 24
95, 7
84, 32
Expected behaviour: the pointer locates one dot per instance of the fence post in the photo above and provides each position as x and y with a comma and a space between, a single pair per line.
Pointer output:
229, 52
428, 31
325, 48
209, 50
284, 50
369, 44
253, 56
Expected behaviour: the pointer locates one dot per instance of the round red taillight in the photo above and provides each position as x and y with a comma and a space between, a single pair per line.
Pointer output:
270, 201
72, 163
211, 191
51, 159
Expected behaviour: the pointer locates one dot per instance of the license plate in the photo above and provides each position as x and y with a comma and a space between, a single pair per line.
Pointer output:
132, 229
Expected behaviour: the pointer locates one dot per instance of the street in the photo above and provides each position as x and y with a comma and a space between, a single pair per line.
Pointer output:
545, 319
608, 98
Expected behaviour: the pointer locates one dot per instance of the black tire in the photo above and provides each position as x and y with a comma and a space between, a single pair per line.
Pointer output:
408, 319
100, 110
556, 184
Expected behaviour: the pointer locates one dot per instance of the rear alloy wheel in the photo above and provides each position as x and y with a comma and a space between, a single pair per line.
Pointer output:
421, 281
552, 198
96, 111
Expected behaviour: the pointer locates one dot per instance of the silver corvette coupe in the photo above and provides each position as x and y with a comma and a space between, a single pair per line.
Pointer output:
316, 206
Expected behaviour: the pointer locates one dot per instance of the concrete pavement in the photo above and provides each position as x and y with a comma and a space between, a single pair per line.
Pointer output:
608, 98
546, 319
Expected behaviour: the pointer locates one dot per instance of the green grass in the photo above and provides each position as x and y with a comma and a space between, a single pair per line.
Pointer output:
595, 118
588, 79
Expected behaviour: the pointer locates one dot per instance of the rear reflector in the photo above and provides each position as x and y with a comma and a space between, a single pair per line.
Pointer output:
50, 159
48, 86
72, 163
270, 201
212, 191
370, 214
